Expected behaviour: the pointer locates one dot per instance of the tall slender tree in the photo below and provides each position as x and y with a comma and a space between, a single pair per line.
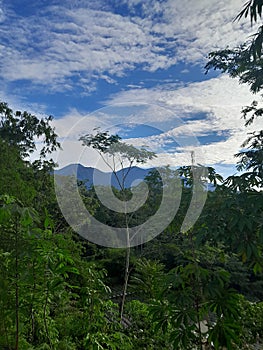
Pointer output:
116, 153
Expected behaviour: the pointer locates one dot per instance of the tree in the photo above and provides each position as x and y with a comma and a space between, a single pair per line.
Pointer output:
116, 153
246, 64
245, 61
15, 174
20, 129
30, 182
51, 295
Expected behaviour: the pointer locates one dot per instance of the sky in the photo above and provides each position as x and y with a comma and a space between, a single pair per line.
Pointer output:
133, 67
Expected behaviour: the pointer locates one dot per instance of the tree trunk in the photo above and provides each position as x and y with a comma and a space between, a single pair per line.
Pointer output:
126, 274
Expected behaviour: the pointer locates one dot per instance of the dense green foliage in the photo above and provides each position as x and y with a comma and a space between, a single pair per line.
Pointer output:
186, 291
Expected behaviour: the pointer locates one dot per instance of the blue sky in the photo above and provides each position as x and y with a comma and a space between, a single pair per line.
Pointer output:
131, 66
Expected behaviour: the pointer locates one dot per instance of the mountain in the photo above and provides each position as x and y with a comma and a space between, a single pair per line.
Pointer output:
94, 176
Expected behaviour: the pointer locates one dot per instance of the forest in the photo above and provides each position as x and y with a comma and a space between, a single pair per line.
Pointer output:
196, 289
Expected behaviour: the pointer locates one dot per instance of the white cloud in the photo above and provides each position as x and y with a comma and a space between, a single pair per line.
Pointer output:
78, 41
220, 101
202, 26
75, 124
2, 16
75, 40
74, 43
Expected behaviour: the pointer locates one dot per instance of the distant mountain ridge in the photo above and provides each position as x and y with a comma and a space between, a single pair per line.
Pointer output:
97, 177
89, 174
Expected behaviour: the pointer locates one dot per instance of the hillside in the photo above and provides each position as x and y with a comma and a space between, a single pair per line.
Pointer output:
94, 176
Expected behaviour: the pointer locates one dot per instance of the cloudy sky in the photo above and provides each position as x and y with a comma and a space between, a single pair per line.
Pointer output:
135, 67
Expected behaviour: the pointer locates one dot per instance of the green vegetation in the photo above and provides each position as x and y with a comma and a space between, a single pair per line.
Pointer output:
188, 290
202, 289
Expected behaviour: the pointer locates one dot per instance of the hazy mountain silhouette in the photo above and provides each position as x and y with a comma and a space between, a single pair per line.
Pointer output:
94, 176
